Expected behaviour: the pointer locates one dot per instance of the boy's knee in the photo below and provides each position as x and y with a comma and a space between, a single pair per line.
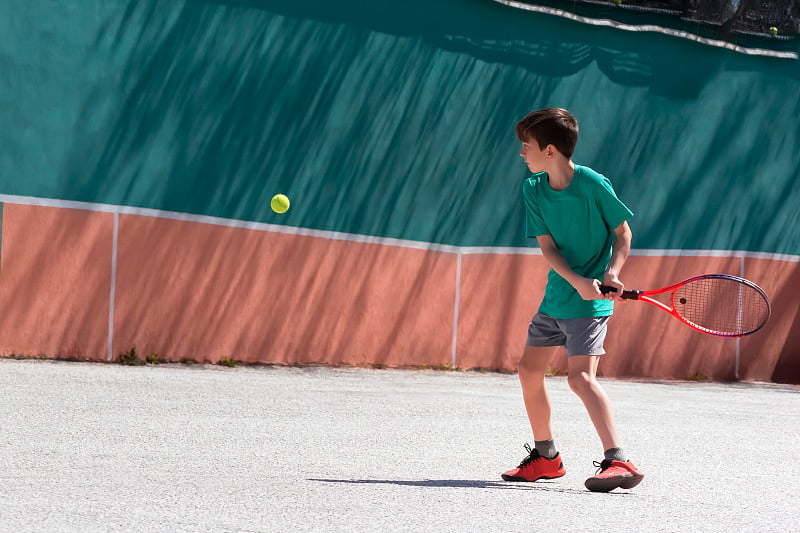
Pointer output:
530, 368
579, 381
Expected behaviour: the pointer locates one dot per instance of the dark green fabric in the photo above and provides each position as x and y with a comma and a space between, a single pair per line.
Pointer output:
390, 118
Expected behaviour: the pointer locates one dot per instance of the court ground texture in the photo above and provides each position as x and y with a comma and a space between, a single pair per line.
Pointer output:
101, 447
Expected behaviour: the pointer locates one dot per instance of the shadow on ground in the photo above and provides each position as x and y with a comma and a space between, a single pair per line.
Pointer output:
461, 484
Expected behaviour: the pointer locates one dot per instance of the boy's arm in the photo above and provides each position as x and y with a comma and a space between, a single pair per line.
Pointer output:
588, 288
619, 254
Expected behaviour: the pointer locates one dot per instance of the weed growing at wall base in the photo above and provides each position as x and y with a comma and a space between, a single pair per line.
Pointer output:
130, 358
553, 372
443, 368
227, 361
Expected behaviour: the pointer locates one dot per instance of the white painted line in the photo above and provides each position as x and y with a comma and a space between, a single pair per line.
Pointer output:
51, 202
365, 239
455, 311
227, 222
113, 293
498, 250
715, 253
649, 28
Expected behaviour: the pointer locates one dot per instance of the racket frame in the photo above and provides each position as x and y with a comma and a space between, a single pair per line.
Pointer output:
644, 296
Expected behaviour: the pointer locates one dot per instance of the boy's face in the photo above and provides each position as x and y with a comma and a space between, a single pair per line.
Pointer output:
535, 157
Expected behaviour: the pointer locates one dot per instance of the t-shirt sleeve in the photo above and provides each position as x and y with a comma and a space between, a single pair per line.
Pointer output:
534, 223
614, 212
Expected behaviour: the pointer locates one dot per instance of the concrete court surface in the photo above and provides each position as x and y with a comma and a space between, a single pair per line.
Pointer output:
100, 447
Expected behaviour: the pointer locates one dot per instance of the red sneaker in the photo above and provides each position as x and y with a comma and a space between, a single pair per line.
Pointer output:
536, 467
612, 475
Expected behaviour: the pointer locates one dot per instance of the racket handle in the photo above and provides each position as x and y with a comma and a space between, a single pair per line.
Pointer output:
626, 295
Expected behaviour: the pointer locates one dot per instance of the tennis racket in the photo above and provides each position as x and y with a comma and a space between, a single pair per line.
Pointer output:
716, 304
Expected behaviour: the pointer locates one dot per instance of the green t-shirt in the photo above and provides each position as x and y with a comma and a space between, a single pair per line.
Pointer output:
581, 220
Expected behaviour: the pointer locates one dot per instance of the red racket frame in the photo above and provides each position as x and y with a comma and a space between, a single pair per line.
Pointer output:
645, 297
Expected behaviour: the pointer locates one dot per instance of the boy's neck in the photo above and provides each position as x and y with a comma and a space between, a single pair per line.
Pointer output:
560, 175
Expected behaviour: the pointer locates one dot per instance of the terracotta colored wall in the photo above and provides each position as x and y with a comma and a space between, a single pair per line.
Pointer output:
55, 279
206, 292
774, 353
203, 291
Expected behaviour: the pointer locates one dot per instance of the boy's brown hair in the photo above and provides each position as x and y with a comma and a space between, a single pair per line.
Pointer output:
552, 125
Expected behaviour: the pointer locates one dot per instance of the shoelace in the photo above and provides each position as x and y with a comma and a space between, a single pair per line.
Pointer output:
602, 465
533, 455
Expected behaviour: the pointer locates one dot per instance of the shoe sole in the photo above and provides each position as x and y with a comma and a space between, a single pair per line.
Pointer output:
609, 484
522, 479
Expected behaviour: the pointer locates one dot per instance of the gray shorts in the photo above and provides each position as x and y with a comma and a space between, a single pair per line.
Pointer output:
581, 336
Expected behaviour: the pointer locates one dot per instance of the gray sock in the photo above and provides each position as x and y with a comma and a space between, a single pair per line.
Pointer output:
546, 448
615, 454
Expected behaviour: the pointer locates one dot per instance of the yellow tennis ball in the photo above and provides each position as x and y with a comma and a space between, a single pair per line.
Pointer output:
280, 203
773, 31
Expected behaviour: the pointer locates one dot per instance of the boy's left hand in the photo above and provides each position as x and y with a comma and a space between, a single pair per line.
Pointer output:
613, 281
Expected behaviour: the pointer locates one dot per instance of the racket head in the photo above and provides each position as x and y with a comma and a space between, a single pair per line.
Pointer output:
721, 305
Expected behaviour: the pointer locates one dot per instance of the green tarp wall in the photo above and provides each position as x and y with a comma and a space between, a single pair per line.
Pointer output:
390, 118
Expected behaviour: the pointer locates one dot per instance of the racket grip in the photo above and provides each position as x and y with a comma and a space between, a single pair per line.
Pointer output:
626, 295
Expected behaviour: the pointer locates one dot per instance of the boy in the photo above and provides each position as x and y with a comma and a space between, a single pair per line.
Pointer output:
581, 227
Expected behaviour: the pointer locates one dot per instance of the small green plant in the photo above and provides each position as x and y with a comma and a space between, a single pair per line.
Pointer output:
553, 371
130, 358
227, 361
697, 376
441, 368
153, 359
188, 361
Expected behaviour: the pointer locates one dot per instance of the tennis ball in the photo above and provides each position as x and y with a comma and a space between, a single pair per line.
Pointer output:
279, 203
773, 31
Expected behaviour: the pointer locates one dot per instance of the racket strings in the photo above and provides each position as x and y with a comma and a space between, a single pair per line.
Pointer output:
722, 306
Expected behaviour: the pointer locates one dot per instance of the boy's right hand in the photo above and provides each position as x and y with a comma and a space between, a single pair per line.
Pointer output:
588, 288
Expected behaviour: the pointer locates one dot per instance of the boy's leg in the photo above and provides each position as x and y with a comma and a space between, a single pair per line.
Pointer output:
582, 380
532, 369
613, 473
